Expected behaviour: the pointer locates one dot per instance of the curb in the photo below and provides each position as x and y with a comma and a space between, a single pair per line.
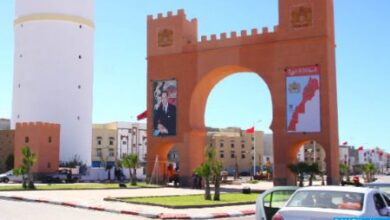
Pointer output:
153, 215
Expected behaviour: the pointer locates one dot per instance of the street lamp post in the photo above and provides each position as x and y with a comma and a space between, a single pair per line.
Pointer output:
254, 146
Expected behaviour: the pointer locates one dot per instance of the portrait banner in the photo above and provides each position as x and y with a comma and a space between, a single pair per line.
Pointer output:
164, 108
303, 99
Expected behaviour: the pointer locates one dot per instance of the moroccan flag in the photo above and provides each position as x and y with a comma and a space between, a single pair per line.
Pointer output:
142, 115
250, 130
360, 148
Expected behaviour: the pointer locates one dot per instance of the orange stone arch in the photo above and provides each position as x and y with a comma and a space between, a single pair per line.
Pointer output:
304, 37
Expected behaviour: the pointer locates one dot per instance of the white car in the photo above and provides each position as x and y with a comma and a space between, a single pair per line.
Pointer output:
270, 201
328, 202
9, 176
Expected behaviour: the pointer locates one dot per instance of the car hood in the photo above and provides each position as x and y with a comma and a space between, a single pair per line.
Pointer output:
298, 213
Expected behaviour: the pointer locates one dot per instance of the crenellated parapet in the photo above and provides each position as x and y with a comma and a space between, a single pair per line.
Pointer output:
174, 33
38, 125
235, 39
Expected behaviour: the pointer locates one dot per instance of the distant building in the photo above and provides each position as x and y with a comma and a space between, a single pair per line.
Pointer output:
112, 141
6, 148
44, 141
5, 124
234, 147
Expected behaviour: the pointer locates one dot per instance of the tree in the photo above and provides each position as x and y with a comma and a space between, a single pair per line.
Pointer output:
9, 162
131, 161
211, 168
312, 170
204, 171
369, 169
298, 169
216, 168
28, 160
343, 168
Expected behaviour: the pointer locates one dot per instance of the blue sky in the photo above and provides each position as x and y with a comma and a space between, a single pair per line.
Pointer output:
362, 55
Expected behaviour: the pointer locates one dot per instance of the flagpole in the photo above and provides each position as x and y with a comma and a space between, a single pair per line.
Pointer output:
254, 153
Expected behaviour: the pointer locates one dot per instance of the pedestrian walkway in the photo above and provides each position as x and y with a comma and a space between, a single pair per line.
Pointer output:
94, 200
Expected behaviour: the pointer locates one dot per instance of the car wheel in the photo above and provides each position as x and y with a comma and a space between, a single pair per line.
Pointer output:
5, 180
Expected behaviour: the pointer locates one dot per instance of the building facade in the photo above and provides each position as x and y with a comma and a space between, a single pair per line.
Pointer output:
53, 70
6, 149
112, 141
5, 124
44, 140
235, 149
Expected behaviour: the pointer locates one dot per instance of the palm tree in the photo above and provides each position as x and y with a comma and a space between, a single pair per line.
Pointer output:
204, 171
130, 161
369, 169
312, 169
216, 168
343, 168
28, 160
299, 169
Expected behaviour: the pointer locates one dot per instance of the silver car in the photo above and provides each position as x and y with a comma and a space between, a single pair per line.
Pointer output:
9, 176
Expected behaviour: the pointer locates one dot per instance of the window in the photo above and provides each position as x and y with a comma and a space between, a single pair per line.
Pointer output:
232, 145
243, 154
380, 204
242, 145
111, 152
111, 142
49, 140
26, 139
221, 154
232, 154
221, 144
98, 152
124, 143
99, 140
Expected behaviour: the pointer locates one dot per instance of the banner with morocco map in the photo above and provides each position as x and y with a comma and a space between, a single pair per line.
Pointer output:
303, 99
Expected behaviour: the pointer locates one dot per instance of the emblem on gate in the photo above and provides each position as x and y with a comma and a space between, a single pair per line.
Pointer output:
165, 38
301, 16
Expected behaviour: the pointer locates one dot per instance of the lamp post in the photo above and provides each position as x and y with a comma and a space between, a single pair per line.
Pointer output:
254, 146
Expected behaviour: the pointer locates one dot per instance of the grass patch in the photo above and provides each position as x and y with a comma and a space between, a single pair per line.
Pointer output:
188, 201
75, 186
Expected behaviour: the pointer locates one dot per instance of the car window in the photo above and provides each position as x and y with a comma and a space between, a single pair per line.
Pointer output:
385, 189
387, 199
327, 199
380, 204
277, 199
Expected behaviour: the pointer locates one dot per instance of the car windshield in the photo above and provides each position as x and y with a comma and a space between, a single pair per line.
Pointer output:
327, 199
384, 188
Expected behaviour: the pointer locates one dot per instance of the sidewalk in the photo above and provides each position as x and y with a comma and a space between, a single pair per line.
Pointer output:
94, 200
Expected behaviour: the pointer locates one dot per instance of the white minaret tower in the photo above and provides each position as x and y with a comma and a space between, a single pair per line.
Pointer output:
53, 70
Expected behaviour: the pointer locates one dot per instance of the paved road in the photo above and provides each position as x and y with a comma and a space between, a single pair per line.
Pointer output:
16, 210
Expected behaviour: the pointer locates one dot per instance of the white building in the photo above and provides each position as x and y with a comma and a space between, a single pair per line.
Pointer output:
112, 141
53, 69
132, 139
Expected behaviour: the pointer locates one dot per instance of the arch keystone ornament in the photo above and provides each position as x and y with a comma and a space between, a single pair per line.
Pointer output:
296, 61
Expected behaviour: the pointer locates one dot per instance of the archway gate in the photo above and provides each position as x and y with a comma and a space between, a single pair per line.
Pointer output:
296, 60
